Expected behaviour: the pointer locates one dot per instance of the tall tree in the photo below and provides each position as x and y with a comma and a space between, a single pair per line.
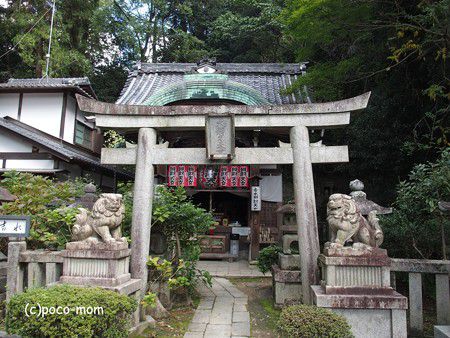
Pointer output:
395, 49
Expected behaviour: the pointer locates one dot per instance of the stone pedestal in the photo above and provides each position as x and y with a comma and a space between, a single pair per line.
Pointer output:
100, 264
356, 284
286, 280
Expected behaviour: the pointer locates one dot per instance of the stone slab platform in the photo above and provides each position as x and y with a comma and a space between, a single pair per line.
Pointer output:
360, 301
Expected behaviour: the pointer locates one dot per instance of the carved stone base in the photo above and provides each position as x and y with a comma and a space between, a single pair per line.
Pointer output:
369, 315
288, 262
287, 286
107, 266
356, 284
353, 272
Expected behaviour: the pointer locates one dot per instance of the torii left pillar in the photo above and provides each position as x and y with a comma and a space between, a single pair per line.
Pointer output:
142, 205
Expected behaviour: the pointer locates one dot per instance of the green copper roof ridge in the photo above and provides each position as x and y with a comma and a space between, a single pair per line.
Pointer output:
206, 86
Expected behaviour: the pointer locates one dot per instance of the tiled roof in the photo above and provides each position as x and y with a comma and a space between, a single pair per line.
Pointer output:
61, 149
80, 84
269, 79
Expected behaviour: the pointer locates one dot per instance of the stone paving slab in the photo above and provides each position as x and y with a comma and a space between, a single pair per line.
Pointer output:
241, 317
222, 312
239, 307
197, 327
233, 269
241, 329
218, 330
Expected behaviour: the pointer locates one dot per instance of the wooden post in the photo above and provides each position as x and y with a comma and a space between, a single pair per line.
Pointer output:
15, 273
255, 229
142, 205
305, 206
415, 303
442, 299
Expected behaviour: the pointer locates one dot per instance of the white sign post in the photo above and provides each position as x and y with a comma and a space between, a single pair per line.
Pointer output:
256, 199
14, 226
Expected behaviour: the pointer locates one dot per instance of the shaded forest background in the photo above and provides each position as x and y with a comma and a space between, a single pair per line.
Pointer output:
396, 49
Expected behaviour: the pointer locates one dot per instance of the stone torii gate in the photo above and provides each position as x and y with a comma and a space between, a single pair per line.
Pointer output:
148, 120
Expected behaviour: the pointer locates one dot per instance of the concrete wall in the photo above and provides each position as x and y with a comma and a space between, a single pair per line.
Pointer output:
9, 104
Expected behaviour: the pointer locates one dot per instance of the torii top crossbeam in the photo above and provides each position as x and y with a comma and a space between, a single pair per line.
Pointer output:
311, 115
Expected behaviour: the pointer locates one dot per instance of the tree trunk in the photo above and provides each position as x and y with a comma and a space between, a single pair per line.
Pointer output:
158, 311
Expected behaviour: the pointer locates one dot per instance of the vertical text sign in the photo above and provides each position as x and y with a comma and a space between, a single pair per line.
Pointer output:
256, 199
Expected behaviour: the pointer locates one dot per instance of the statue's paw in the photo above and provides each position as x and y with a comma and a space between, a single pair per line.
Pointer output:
335, 245
361, 246
123, 239
110, 241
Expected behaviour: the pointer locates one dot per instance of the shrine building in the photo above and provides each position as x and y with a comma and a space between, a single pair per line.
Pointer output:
236, 140
222, 189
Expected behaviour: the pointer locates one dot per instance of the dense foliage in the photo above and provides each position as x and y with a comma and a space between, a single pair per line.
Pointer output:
105, 314
417, 222
268, 257
180, 220
396, 49
47, 202
310, 321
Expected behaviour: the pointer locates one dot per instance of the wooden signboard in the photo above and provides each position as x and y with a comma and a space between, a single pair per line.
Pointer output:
256, 199
14, 226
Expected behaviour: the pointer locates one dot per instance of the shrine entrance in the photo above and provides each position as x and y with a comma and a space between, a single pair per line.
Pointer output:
221, 124
231, 215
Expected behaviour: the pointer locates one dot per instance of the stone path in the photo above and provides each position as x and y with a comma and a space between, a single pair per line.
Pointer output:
234, 269
222, 312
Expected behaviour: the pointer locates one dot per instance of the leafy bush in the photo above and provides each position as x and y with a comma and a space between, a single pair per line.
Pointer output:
180, 221
46, 201
417, 221
113, 321
308, 321
268, 257
178, 274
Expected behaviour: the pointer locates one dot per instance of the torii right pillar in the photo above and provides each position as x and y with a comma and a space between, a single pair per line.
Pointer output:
305, 207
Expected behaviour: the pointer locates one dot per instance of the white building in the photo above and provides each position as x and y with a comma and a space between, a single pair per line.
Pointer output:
43, 131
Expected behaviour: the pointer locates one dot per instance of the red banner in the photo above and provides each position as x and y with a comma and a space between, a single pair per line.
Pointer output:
182, 175
233, 176
209, 177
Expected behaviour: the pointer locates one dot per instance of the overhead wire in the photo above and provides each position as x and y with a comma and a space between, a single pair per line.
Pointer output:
23, 37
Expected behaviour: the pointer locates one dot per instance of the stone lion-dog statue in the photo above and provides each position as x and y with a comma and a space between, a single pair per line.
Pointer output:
103, 223
347, 224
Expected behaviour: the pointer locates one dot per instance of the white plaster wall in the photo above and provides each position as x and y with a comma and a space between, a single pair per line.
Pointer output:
69, 124
43, 111
9, 104
29, 164
10, 143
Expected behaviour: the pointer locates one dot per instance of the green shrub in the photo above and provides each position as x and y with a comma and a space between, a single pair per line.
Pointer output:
268, 257
309, 321
417, 221
114, 322
46, 201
